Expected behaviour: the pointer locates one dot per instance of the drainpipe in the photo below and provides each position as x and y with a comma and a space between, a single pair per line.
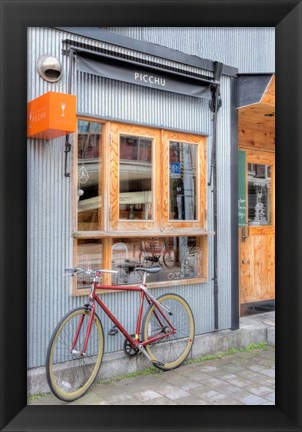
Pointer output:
214, 105
67, 143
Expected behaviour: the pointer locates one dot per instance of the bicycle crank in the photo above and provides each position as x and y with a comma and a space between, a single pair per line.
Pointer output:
128, 348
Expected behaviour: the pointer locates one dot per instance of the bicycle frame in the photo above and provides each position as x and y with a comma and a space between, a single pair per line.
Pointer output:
136, 343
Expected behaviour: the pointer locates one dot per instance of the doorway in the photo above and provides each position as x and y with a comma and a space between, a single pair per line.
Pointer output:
257, 238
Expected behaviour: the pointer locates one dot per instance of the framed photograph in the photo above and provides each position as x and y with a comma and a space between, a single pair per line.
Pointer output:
285, 16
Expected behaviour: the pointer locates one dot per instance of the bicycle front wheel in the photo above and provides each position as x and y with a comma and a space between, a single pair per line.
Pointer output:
146, 260
70, 373
171, 351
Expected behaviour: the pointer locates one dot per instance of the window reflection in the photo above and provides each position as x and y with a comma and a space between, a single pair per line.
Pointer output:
182, 181
179, 258
135, 178
89, 256
89, 167
259, 194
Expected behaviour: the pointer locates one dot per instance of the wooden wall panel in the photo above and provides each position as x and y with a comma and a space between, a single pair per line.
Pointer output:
255, 129
256, 139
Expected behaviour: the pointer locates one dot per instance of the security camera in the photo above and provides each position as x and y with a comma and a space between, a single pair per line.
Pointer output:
49, 68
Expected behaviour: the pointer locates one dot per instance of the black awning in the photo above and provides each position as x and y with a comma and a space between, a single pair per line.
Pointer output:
142, 74
251, 88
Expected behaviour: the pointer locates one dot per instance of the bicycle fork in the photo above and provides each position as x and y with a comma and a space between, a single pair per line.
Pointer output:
83, 352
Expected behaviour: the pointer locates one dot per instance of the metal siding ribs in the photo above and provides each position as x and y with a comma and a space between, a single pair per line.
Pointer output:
50, 242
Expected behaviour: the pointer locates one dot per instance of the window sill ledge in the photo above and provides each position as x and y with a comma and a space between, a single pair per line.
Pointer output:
149, 233
170, 283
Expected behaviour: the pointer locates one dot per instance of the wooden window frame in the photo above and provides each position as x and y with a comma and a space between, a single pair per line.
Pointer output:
101, 175
112, 227
201, 201
115, 223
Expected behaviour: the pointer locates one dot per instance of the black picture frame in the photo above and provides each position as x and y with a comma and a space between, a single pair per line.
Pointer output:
285, 16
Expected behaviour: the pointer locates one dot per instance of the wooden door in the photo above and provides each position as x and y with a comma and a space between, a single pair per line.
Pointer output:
257, 239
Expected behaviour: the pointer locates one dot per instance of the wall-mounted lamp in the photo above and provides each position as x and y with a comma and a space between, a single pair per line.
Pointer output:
49, 68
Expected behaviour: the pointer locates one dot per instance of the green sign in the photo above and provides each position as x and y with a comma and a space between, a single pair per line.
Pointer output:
241, 188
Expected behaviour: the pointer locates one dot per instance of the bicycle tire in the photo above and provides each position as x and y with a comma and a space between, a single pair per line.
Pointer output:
172, 351
70, 375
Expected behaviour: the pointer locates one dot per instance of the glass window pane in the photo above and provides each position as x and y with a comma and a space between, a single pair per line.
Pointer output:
135, 178
182, 182
179, 258
89, 168
89, 256
259, 194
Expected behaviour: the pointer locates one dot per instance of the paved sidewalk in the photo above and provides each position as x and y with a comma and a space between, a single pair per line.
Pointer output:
244, 378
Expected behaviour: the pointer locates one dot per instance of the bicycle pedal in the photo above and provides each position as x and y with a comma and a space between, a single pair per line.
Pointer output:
157, 363
113, 331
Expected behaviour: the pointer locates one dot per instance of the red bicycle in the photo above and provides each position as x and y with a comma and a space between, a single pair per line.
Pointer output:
164, 335
152, 251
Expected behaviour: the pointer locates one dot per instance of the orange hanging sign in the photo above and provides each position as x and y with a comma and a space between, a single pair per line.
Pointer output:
51, 115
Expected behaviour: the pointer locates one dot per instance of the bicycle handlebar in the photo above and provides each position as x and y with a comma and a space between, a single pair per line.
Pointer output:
77, 270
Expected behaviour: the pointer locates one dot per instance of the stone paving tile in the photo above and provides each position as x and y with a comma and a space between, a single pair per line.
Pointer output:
252, 400
92, 398
115, 398
259, 390
200, 391
171, 391
215, 398
268, 372
268, 382
176, 393
251, 375
236, 393
256, 367
131, 401
214, 383
224, 375
271, 397
227, 401
191, 400
112, 394
209, 368
161, 401
218, 396
130, 383
240, 382
148, 395
184, 382
189, 385
233, 368
196, 375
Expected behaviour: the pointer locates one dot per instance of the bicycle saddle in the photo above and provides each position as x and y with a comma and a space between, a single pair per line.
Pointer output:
149, 270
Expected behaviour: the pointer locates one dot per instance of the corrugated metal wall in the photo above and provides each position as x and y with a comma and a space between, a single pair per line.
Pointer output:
49, 204
250, 49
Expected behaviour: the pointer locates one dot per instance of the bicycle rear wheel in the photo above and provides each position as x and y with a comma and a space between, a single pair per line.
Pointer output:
171, 351
69, 373
169, 258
